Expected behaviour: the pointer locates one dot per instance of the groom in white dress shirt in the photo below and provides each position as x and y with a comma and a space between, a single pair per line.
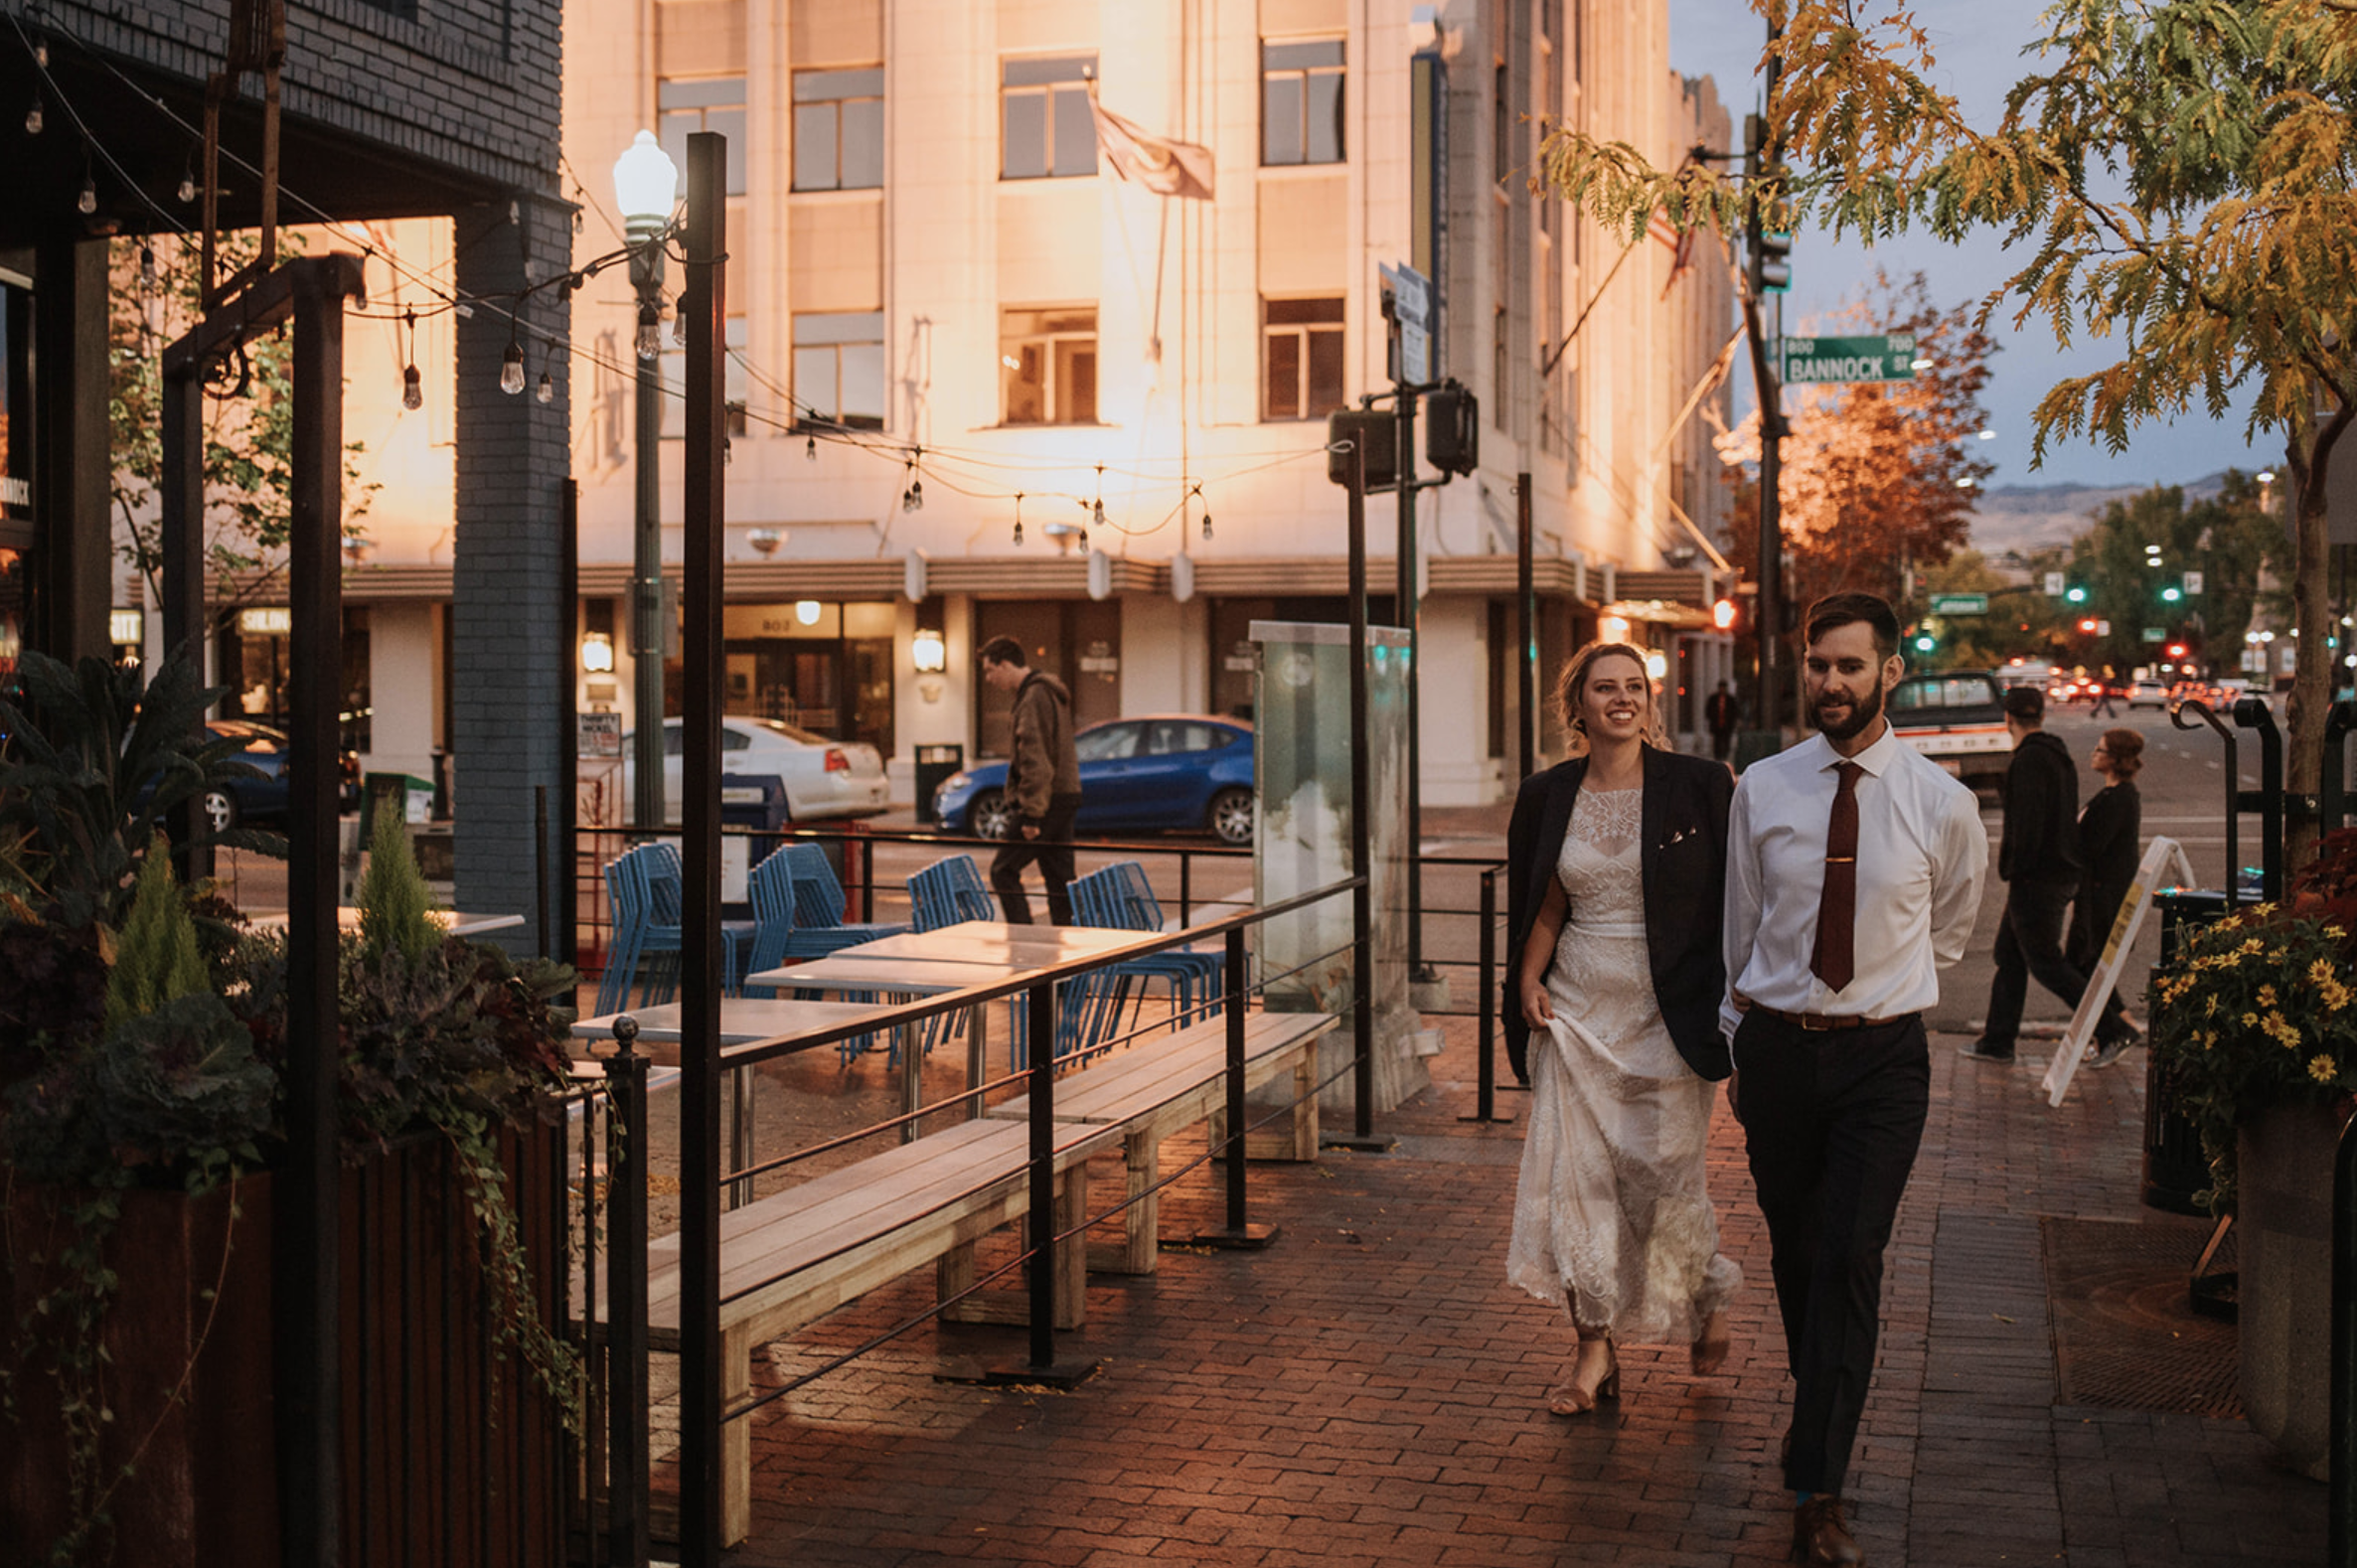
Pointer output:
1853, 875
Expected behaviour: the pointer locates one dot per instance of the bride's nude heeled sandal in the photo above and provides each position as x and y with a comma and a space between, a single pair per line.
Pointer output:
1712, 1350
1568, 1398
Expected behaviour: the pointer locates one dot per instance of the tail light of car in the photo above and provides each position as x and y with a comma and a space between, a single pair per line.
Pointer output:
836, 763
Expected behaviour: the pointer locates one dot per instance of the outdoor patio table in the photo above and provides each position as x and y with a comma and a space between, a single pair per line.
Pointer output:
743, 1021
992, 942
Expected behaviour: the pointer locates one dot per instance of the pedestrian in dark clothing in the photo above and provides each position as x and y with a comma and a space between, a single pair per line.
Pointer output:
2040, 865
2102, 700
1042, 789
2111, 839
1720, 714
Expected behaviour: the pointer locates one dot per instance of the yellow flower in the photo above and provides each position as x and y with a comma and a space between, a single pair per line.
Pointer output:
2267, 996
2336, 933
2210, 1005
2249, 1021
2252, 944
2323, 1070
2321, 972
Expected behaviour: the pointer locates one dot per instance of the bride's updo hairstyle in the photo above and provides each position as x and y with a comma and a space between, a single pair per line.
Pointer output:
1572, 686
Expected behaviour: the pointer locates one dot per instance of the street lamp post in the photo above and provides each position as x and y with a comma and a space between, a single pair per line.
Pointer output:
646, 186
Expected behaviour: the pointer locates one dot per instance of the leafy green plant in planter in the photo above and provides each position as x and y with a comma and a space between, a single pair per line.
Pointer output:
143, 1026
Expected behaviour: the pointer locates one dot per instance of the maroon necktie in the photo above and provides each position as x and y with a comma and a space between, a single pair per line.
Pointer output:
1836, 956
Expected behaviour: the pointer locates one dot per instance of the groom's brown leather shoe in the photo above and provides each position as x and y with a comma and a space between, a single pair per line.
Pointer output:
1821, 1535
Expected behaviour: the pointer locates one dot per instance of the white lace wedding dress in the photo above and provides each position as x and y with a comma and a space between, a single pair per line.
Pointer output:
1613, 1216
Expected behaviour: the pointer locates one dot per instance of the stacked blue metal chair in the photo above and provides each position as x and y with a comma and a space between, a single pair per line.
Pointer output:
819, 926
947, 892
771, 887
1144, 912
644, 885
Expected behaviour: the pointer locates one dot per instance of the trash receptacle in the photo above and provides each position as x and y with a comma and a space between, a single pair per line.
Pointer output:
2174, 1166
935, 766
405, 793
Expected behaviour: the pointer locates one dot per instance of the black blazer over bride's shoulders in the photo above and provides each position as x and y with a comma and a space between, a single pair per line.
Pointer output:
1686, 879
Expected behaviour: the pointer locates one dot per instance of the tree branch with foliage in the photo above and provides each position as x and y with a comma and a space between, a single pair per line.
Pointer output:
2180, 174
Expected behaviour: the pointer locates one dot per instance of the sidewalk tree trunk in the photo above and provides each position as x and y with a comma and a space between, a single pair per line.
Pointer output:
2179, 175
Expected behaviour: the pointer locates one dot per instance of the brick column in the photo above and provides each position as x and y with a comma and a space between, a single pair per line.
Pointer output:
511, 639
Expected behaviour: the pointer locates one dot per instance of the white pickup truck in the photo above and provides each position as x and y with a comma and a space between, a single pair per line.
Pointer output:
1956, 717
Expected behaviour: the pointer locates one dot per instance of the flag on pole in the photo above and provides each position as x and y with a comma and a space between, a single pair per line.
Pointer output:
1163, 166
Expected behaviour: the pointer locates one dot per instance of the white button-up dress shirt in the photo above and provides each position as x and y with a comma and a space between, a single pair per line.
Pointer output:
1922, 858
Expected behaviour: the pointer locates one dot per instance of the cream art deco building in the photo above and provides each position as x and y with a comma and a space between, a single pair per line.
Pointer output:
981, 383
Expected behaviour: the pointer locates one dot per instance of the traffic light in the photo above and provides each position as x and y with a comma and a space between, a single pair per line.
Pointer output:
1453, 429
2088, 626
2177, 650
1771, 264
1722, 615
1925, 642
2076, 593
1377, 432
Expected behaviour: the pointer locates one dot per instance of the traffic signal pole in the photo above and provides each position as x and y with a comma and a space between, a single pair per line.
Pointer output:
1762, 156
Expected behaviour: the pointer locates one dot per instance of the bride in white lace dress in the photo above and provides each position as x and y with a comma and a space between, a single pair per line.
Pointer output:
1613, 1216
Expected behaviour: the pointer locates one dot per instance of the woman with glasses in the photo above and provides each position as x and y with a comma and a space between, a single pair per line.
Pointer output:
2111, 842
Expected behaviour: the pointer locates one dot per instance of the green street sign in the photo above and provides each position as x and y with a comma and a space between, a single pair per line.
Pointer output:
1889, 358
2153, 634
1959, 604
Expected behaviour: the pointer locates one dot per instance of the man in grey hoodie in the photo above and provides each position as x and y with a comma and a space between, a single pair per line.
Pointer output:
2040, 862
1043, 784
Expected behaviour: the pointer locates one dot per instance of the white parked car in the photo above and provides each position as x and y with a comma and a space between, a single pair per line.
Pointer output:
823, 778
2147, 694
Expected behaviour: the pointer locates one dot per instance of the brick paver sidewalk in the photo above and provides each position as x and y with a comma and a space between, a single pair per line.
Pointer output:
1369, 1389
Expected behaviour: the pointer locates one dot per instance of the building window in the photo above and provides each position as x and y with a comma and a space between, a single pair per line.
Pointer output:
839, 130
839, 367
715, 103
1301, 102
1045, 127
1301, 358
734, 382
1048, 361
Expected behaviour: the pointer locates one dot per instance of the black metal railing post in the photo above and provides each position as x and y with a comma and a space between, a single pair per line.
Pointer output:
2234, 791
2332, 796
2341, 1449
2253, 714
627, 1467
1238, 1233
1486, 1063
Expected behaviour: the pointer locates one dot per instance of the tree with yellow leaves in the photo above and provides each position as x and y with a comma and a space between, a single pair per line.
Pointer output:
2178, 173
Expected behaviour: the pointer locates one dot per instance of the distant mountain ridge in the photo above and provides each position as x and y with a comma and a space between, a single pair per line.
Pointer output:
2028, 518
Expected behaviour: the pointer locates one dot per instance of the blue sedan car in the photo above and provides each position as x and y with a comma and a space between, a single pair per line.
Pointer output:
1163, 770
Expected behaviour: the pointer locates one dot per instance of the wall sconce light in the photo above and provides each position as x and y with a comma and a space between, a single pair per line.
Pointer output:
807, 611
764, 541
597, 653
928, 651
1611, 628
1657, 664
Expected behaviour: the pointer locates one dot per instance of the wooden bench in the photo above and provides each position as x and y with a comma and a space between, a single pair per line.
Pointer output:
790, 1258
1165, 1083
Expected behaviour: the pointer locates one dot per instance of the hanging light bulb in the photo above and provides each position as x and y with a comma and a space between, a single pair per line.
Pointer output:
728, 452
412, 391
913, 498
810, 449
1096, 513
1207, 524
678, 330
188, 185
1018, 518
87, 202
547, 391
650, 332
147, 273
511, 369
33, 118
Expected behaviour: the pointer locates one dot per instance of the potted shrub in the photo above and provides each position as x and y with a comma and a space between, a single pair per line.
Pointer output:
141, 1030
2255, 1028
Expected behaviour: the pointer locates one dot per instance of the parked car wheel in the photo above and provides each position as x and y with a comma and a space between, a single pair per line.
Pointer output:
220, 809
989, 817
1232, 817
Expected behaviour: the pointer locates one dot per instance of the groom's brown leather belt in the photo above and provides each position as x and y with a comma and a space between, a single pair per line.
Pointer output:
1829, 1020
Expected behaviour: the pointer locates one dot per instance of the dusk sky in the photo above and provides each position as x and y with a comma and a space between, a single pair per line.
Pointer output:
1978, 49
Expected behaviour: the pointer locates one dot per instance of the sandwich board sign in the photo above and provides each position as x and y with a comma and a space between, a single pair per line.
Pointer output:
2163, 858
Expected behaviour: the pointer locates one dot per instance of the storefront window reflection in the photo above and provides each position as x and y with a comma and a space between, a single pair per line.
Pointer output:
831, 673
